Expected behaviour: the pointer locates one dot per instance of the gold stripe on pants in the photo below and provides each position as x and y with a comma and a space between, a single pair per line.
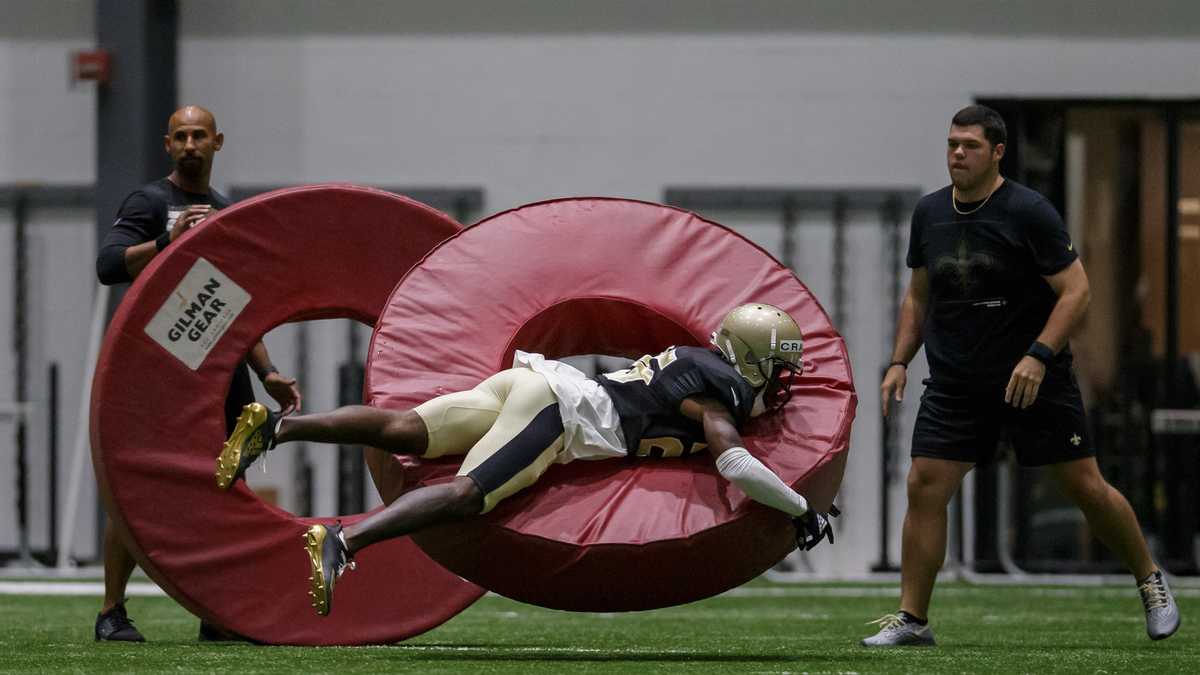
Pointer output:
508, 427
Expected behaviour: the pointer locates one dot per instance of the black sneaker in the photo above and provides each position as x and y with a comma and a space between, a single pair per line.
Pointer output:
329, 559
1162, 614
253, 435
116, 626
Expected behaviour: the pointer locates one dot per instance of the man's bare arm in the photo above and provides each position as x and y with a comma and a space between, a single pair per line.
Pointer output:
720, 429
138, 256
908, 338
283, 389
1074, 294
912, 316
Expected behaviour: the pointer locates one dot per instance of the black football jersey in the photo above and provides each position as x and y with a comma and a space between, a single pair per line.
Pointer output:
648, 394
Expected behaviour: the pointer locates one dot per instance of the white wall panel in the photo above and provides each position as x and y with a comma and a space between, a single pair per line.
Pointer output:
531, 117
47, 129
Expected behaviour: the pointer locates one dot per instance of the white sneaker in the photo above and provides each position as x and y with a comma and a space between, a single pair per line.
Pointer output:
897, 630
1162, 614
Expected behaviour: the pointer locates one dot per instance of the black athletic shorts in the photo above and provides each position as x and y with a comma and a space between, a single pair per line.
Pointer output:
966, 423
241, 393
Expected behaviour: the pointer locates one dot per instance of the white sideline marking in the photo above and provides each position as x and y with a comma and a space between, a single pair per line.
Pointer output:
468, 649
146, 589
134, 589
888, 591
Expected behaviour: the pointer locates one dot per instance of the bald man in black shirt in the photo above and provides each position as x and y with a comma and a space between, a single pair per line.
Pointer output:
149, 220
996, 290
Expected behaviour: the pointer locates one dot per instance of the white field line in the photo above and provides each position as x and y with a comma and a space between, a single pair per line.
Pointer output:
146, 589
134, 589
801, 591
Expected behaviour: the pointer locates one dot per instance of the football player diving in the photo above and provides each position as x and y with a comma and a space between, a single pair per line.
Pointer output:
515, 424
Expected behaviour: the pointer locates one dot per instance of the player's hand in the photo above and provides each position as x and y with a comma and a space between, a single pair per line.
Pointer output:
189, 218
813, 526
284, 390
1022, 389
893, 386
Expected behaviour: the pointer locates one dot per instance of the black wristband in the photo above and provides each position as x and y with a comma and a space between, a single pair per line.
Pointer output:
898, 363
1041, 352
162, 240
262, 375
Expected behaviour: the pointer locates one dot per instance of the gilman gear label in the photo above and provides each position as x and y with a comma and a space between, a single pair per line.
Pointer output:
197, 313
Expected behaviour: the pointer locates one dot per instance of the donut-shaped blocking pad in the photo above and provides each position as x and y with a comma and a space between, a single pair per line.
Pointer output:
157, 420
607, 276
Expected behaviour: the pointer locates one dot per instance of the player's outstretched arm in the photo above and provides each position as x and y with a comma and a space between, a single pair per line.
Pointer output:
753, 477
736, 464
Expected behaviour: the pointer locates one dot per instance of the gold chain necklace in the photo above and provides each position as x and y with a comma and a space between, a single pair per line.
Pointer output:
954, 200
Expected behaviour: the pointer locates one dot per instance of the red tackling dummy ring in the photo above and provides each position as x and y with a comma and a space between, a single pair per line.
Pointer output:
607, 276
157, 424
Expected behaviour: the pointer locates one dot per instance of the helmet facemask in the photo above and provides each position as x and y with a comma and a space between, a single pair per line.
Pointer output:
778, 389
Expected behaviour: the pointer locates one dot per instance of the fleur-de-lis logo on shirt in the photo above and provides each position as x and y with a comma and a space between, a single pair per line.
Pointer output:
1076, 439
964, 267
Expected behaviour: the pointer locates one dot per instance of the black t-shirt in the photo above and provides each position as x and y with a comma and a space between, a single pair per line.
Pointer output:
144, 215
988, 300
648, 394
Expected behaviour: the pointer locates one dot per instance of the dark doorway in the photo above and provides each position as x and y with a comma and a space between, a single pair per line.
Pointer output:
1126, 177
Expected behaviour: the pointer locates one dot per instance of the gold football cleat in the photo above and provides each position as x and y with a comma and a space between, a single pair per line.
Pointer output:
327, 559
251, 437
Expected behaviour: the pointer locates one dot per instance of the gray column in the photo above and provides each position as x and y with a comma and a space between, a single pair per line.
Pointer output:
132, 109
131, 112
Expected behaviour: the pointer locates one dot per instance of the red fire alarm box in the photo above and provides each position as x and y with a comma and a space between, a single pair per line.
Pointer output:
94, 65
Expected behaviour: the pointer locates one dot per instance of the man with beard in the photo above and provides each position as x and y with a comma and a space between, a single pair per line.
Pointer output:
149, 220
996, 290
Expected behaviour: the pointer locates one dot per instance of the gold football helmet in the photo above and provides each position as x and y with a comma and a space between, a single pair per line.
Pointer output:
763, 343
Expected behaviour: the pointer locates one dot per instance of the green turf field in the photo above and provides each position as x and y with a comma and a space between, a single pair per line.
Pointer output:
761, 628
